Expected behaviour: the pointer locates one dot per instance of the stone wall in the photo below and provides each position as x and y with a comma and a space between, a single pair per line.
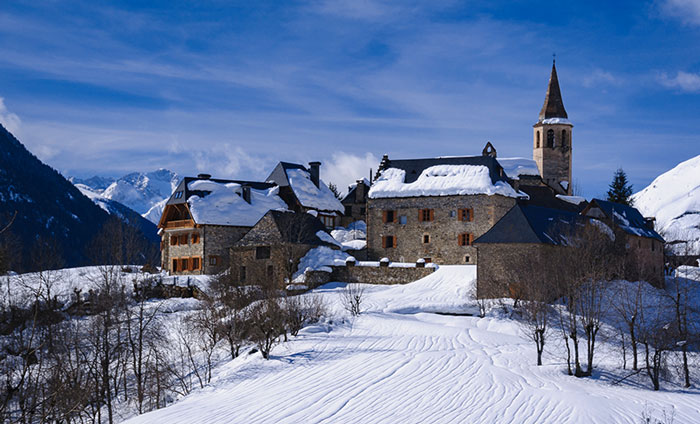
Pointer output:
644, 260
554, 163
367, 275
443, 230
499, 265
273, 270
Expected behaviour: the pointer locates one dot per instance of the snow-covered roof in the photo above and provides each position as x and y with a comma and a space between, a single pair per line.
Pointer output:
515, 167
310, 196
222, 203
627, 218
440, 180
556, 121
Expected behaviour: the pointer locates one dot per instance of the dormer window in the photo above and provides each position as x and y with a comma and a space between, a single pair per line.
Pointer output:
563, 138
178, 195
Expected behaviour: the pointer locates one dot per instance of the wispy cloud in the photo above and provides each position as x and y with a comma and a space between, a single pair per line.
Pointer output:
684, 81
9, 120
687, 11
599, 77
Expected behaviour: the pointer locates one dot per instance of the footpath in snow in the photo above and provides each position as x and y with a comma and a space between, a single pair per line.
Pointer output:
401, 362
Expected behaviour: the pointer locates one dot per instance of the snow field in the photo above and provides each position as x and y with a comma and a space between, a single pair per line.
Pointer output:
401, 362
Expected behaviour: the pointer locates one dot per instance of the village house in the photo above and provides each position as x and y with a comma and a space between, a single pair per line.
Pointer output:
271, 250
644, 247
204, 217
355, 203
304, 191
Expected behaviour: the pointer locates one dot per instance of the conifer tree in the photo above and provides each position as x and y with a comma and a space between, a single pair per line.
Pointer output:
620, 189
334, 189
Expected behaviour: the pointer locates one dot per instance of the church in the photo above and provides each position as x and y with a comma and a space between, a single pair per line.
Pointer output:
483, 209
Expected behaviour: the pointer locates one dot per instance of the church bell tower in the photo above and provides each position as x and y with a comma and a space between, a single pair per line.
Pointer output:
553, 139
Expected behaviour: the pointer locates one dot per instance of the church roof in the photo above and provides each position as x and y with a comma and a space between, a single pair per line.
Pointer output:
553, 106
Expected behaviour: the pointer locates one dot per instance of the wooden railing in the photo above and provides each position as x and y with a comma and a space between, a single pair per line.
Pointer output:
180, 223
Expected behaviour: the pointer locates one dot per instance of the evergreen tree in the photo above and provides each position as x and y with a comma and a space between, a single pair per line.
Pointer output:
334, 190
620, 189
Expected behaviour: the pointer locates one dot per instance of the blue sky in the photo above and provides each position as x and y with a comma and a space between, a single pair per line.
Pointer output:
230, 88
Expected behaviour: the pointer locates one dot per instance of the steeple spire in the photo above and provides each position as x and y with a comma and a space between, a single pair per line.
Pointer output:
553, 104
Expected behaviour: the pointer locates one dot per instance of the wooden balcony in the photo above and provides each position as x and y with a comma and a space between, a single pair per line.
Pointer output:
183, 223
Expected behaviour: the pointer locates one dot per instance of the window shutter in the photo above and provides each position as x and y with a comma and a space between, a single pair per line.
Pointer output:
384, 242
384, 216
471, 238
394, 241
395, 216
432, 214
460, 214
420, 215
471, 214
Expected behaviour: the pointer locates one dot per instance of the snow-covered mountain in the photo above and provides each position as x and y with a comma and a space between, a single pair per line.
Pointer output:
144, 192
673, 198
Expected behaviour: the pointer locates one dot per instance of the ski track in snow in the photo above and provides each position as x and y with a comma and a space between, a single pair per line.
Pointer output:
400, 363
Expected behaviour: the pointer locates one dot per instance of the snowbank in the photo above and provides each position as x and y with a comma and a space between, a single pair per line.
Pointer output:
440, 180
224, 205
354, 237
319, 259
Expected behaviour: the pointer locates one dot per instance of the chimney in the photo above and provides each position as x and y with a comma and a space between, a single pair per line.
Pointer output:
245, 193
360, 190
203, 176
315, 171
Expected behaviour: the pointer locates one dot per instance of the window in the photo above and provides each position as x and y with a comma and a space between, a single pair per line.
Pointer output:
426, 238
182, 239
453, 214
174, 265
184, 264
466, 214
195, 238
389, 216
213, 260
173, 240
262, 252
363, 211
178, 195
388, 242
242, 274
563, 138
403, 220
428, 260
425, 215
328, 221
348, 210
537, 145
466, 239
550, 138
196, 265
270, 271
467, 259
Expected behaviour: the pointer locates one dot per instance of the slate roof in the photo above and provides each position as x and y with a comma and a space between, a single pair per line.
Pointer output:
545, 196
533, 224
553, 106
286, 227
628, 218
302, 189
414, 167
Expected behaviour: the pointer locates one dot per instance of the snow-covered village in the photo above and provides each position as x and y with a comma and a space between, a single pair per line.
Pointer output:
344, 212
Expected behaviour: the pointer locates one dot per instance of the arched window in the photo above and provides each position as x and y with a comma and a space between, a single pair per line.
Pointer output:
537, 145
550, 138
563, 138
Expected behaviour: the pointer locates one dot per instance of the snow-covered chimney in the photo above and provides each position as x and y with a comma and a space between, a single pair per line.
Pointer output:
360, 190
246, 193
204, 176
315, 171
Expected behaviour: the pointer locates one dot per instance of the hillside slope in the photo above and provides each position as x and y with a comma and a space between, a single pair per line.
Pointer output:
47, 207
399, 362
673, 198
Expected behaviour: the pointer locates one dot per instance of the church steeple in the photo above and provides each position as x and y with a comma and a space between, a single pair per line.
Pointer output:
553, 104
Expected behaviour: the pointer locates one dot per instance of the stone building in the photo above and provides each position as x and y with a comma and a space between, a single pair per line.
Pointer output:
303, 190
355, 203
204, 217
271, 250
435, 208
644, 247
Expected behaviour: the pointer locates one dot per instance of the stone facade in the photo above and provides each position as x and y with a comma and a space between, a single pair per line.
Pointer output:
355, 203
268, 265
644, 259
438, 238
204, 248
553, 155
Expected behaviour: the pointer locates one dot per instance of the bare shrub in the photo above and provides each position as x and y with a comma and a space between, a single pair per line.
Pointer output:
352, 297
303, 310
267, 323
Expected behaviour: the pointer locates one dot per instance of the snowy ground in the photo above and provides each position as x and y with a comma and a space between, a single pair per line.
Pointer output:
402, 362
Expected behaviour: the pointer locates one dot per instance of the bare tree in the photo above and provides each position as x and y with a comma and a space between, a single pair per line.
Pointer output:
267, 323
352, 297
628, 303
